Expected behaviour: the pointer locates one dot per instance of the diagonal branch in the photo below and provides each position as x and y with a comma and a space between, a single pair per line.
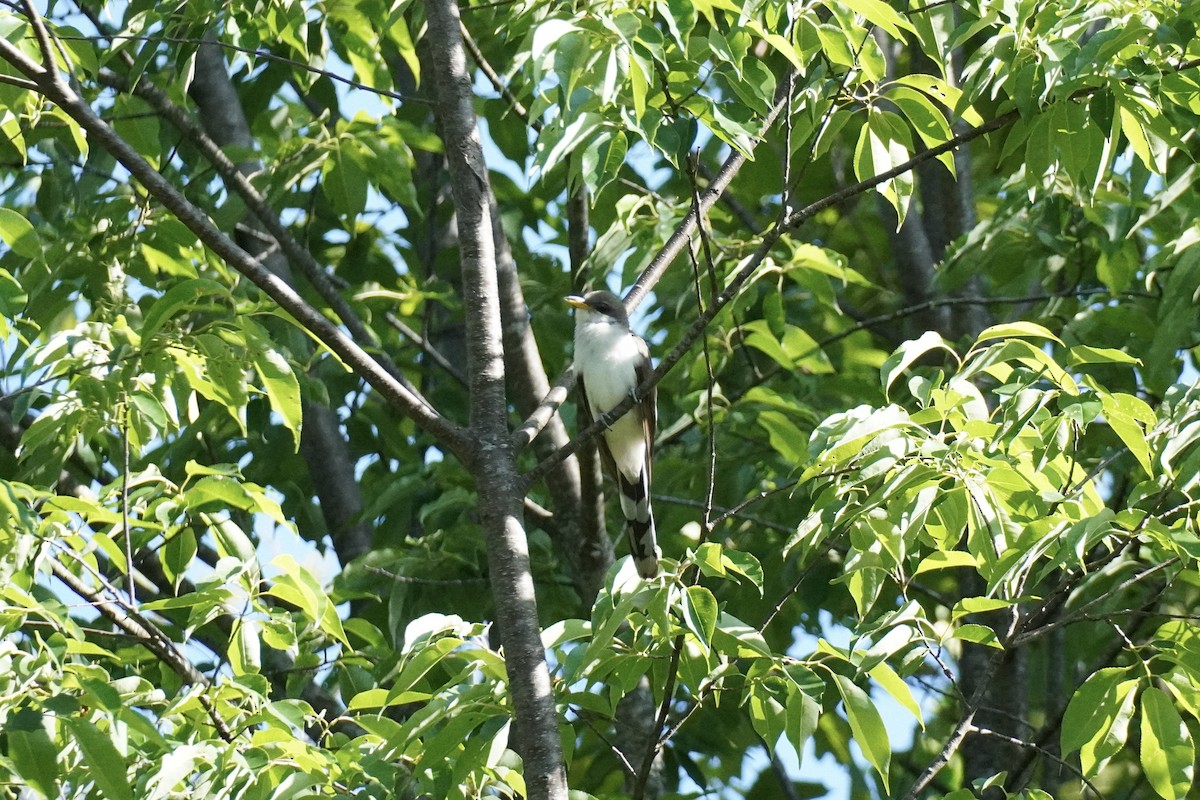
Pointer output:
707, 199
535, 422
45, 45
445, 432
148, 634
237, 182
740, 279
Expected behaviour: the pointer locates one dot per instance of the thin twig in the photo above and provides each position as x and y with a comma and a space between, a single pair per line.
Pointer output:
126, 414
20, 83
427, 347
500, 86
1040, 751
146, 633
655, 743
43, 39
726, 513
1080, 614
398, 578
258, 53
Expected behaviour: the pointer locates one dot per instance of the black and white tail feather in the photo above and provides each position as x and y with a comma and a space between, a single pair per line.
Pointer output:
610, 363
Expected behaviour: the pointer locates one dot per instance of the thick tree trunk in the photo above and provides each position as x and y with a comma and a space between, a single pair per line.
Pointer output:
494, 468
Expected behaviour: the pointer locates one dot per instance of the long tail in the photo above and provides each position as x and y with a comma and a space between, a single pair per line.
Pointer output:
643, 541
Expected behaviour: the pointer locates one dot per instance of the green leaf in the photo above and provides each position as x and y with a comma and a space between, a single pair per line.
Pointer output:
768, 716
880, 13
866, 725
979, 634
978, 605
1131, 419
908, 353
18, 234
708, 558
882, 146
295, 585
105, 763
803, 713
736, 639
12, 297
945, 559
1096, 722
894, 685
1138, 138
700, 613
744, 563
177, 553
32, 752
343, 178
786, 439
1082, 354
179, 297
1020, 328
282, 387
137, 124
794, 350
1167, 751
926, 118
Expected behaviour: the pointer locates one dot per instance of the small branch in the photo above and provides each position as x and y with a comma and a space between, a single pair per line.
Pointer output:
1080, 614
264, 54
494, 78
426, 347
726, 513
1040, 751
146, 633
708, 198
20, 83
398, 578
656, 742
971, 706
126, 415
540, 418
736, 511
43, 40
710, 379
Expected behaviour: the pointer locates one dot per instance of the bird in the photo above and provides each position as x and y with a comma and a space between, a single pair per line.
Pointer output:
611, 361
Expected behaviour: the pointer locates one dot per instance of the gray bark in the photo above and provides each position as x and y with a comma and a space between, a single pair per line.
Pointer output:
494, 467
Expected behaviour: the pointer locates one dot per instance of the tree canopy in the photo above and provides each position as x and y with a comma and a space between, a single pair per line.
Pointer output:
293, 501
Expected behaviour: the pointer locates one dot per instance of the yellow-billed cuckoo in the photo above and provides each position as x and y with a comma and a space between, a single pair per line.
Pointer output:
610, 362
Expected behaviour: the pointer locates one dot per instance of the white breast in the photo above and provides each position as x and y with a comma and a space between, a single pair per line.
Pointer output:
607, 356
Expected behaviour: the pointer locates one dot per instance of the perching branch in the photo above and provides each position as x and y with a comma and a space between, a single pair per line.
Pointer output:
532, 426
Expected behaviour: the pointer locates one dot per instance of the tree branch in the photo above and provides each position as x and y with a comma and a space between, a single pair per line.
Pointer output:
235, 180
147, 634
447, 434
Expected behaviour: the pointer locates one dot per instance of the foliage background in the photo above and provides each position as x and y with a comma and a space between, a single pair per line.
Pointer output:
927, 392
